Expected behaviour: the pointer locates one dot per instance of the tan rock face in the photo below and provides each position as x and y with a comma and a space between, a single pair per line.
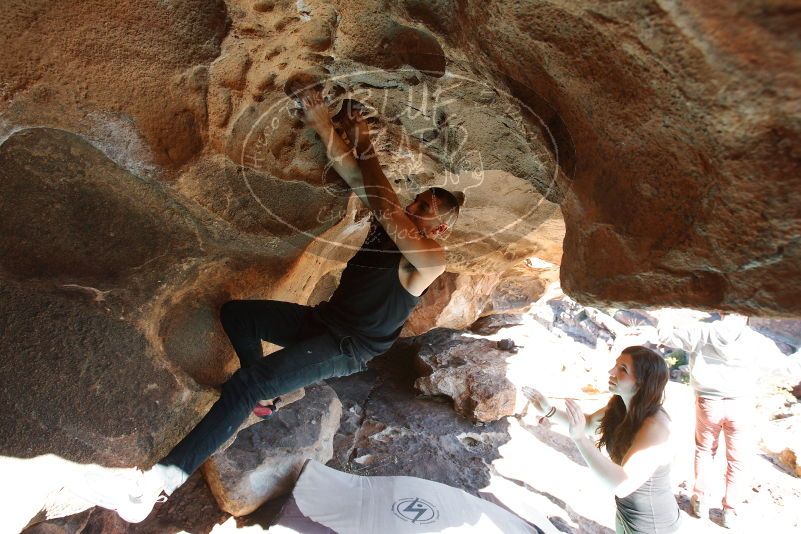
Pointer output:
453, 301
118, 74
458, 300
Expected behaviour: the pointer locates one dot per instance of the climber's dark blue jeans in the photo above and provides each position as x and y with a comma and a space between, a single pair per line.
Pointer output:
310, 354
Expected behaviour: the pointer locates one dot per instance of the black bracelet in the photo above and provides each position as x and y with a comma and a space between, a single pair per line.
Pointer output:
551, 412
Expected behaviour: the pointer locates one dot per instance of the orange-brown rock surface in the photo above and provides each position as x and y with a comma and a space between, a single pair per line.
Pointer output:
152, 167
683, 122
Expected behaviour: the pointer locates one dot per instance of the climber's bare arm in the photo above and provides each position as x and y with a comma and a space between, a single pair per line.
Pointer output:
371, 185
426, 255
339, 153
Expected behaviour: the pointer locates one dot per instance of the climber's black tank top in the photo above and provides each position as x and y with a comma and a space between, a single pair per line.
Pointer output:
370, 305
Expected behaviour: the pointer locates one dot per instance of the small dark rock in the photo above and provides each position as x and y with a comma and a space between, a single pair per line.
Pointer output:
507, 344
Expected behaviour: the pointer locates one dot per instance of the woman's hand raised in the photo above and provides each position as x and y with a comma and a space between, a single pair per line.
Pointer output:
576, 420
537, 400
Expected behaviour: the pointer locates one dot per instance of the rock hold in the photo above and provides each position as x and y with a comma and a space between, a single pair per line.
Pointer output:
266, 458
470, 371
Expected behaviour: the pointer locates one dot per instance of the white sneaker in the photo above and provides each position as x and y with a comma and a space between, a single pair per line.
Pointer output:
170, 477
140, 499
129, 492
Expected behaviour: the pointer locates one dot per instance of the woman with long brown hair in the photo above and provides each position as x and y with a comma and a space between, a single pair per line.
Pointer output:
635, 430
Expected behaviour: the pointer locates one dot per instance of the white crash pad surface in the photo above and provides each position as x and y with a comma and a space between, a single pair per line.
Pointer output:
352, 504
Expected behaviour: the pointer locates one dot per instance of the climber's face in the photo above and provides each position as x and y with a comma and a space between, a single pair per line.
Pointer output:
424, 212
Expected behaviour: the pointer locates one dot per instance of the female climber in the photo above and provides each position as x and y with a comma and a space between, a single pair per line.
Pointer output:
635, 430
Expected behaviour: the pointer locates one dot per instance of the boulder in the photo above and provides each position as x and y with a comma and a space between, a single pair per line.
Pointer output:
84, 247
389, 429
586, 324
118, 76
789, 459
628, 89
491, 324
266, 458
781, 439
457, 300
519, 288
452, 301
472, 372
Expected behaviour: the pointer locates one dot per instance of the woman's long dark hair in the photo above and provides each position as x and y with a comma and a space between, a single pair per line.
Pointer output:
618, 425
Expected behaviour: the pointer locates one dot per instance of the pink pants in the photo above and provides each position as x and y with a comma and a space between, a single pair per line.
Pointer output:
735, 418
